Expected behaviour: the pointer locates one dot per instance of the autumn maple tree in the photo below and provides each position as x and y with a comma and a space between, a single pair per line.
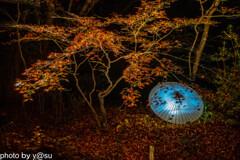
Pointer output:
141, 41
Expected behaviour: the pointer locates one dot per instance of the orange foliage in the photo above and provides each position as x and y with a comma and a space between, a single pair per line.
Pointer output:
141, 42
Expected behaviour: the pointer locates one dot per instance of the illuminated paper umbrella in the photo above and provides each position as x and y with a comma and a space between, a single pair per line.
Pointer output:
175, 102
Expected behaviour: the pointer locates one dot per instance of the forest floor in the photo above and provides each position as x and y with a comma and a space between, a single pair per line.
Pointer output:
128, 135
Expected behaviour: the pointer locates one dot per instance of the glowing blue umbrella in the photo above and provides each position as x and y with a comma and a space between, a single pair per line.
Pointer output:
175, 102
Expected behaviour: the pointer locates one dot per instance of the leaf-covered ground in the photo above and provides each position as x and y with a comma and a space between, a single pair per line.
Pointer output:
127, 136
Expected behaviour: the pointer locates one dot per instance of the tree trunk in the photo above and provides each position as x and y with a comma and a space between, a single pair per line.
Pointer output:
49, 12
103, 110
85, 98
87, 7
202, 44
200, 49
70, 5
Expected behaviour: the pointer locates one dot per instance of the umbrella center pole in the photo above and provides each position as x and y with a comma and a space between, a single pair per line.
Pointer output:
178, 96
